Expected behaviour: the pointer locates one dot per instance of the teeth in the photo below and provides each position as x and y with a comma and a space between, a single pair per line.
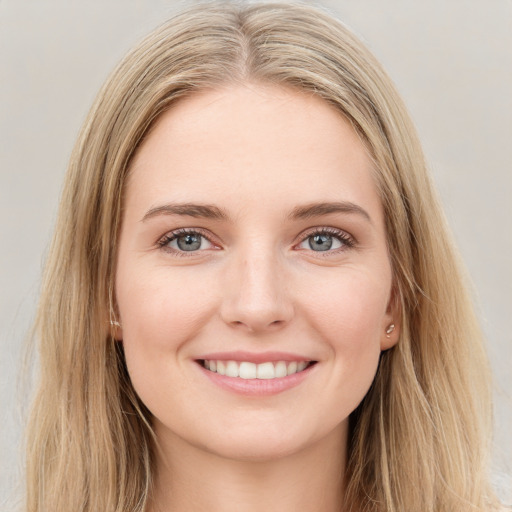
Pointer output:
301, 366
247, 370
281, 370
221, 368
232, 369
265, 371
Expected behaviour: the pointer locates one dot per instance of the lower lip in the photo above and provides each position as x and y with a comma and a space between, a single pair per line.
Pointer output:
257, 387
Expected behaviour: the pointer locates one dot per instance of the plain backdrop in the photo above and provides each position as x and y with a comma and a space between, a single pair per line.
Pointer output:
450, 59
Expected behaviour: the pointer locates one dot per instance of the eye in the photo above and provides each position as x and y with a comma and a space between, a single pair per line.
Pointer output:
326, 239
184, 240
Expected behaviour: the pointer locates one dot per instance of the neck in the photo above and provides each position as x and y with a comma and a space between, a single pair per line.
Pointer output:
193, 479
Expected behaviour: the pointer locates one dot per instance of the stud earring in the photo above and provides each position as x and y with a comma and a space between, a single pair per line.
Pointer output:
389, 330
113, 323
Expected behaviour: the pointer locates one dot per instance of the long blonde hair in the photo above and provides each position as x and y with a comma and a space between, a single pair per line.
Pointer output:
418, 441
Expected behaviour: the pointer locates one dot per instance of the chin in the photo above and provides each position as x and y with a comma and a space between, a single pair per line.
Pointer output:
251, 450
265, 443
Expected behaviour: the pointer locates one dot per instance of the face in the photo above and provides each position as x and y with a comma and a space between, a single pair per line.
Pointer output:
253, 282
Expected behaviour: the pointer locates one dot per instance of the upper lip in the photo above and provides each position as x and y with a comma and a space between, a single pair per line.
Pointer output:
253, 357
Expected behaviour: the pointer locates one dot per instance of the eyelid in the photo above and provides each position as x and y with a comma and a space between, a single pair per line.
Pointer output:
163, 241
346, 238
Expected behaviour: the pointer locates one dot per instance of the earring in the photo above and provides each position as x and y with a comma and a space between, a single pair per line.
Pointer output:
114, 323
389, 330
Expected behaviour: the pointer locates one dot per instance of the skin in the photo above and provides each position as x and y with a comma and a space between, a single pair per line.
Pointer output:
256, 284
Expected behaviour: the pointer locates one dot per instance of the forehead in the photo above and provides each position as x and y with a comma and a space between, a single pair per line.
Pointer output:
260, 143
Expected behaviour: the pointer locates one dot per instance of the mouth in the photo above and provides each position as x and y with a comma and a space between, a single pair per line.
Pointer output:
255, 371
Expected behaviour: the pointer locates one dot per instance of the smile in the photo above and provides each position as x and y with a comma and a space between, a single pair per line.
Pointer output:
248, 370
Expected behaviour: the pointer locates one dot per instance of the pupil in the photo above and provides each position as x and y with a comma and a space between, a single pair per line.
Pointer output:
320, 242
189, 242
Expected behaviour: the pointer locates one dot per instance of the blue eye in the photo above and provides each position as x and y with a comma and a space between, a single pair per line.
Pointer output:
185, 241
322, 242
325, 240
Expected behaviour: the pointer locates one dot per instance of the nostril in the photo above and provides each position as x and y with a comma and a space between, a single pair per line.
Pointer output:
255, 324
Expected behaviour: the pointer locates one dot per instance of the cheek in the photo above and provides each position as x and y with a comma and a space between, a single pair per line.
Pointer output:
160, 310
351, 306
350, 316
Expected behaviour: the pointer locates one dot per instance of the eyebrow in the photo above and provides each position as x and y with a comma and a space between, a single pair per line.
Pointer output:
207, 211
318, 209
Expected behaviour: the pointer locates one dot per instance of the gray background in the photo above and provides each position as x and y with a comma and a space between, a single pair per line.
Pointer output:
450, 59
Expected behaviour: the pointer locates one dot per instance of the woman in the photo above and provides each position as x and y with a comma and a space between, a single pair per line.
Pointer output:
251, 298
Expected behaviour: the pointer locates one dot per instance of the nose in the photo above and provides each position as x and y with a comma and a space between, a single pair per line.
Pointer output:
256, 295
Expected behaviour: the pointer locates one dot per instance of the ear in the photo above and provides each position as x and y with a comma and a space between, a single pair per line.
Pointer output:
116, 330
392, 321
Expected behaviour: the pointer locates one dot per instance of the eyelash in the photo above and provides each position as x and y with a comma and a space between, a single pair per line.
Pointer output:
173, 235
347, 241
